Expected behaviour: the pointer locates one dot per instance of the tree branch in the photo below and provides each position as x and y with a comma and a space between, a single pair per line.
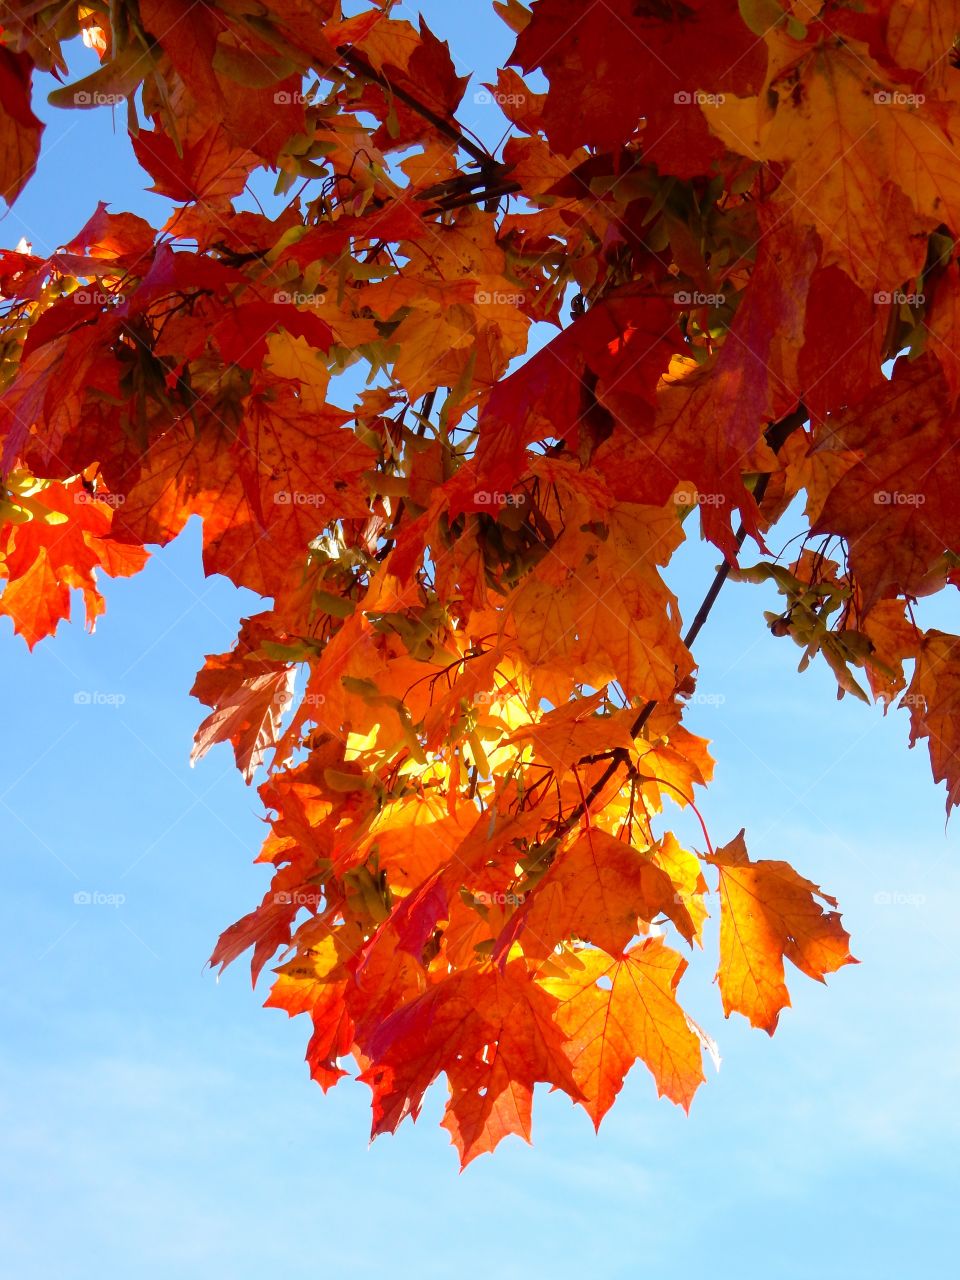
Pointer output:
483, 196
449, 128
775, 435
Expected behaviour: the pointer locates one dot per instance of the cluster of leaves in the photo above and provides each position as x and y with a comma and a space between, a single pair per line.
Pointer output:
754, 208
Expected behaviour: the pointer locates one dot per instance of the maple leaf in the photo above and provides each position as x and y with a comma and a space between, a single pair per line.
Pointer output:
932, 699
551, 395
629, 61
921, 36
49, 413
211, 169
563, 736
767, 913
45, 557
189, 42
20, 129
709, 422
265, 488
408, 62
896, 505
494, 1036
309, 983
119, 237
265, 929
597, 890
303, 981
597, 609
634, 1015
844, 331
248, 693
841, 128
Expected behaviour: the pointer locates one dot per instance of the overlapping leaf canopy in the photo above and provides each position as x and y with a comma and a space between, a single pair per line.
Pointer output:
733, 216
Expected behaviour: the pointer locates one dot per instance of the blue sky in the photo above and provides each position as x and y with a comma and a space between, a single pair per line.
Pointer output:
156, 1123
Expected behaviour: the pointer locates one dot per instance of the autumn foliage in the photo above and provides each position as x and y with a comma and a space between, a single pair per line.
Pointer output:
734, 217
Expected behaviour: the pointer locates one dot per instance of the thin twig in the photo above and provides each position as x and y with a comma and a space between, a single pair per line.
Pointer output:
449, 128
775, 436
